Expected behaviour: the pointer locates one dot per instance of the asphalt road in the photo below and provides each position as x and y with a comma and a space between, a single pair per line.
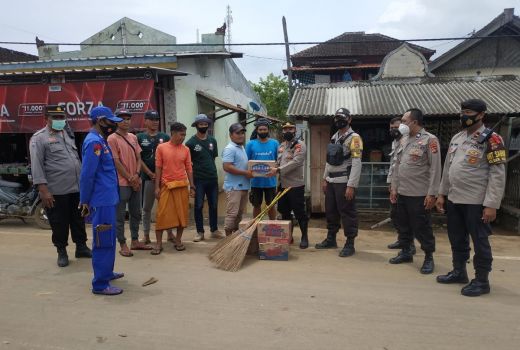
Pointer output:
314, 301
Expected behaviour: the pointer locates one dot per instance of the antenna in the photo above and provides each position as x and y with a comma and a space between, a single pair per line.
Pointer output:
229, 20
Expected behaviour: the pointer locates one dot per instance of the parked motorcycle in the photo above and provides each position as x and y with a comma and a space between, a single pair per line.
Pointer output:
17, 203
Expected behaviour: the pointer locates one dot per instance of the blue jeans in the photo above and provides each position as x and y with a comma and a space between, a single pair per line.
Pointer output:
208, 188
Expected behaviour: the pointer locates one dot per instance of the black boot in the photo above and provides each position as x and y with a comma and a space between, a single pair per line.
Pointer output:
348, 249
477, 286
328, 243
395, 245
63, 258
458, 275
82, 251
428, 264
404, 256
304, 242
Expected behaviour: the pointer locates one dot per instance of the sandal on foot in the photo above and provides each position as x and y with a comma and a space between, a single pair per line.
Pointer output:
179, 247
140, 246
126, 253
156, 251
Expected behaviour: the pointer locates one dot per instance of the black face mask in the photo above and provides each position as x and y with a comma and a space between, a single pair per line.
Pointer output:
263, 135
395, 134
288, 136
108, 129
468, 120
202, 130
340, 124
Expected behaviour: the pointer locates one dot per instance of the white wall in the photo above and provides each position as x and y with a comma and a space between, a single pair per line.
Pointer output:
219, 78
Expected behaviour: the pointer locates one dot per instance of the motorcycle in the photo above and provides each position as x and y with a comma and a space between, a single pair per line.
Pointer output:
17, 203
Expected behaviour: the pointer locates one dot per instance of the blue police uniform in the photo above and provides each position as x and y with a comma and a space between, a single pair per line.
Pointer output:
99, 189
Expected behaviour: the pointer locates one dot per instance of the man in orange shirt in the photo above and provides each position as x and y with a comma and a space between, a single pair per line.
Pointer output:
173, 186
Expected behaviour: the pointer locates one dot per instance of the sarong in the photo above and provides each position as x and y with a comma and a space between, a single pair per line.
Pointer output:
173, 208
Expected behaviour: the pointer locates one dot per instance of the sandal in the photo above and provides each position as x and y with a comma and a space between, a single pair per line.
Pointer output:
140, 246
146, 241
179, 247
156, 251
126, 253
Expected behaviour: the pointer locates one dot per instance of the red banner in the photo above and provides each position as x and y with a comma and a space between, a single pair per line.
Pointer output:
22, 106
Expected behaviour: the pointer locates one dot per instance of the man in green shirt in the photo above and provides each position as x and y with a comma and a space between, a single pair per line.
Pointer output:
203, 149
149, 140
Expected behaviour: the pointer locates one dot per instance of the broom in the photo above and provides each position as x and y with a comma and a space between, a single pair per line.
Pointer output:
221, 243
230, 255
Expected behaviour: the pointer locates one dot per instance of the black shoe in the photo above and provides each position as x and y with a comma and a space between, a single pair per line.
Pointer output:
82, 251
304, 242
428, 265
476, 288
412, 249
348, 249
328, 243
404, 256
63, 258
395, 245
457, 275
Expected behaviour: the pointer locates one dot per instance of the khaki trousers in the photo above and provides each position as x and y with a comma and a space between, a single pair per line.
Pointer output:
236, 202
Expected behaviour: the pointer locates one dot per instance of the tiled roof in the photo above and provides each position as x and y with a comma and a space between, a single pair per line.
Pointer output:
366, 45
7, 55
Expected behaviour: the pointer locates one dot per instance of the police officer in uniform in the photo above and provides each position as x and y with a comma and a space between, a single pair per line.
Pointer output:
473, 180
290, 165
340, 180
55, 168
415, 184
99, 196
398, 140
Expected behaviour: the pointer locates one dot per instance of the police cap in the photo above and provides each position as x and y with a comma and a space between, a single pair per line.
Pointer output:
51, 110
474, 105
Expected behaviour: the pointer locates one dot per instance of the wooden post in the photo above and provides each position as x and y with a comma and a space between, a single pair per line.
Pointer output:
288, 58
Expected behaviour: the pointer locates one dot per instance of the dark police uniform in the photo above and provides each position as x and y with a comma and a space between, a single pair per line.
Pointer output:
55, 162
99, 189
473, 178
338, 210
291, 161
417, 174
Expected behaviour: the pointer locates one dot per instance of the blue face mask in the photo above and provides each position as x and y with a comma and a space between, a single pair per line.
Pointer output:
58, 125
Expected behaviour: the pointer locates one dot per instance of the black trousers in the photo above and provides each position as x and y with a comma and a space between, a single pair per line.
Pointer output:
64, 216
414, 220
293, 200
465, 220
339, 211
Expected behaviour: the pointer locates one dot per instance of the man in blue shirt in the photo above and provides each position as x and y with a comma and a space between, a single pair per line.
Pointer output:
262, 148
99, 196
236, 180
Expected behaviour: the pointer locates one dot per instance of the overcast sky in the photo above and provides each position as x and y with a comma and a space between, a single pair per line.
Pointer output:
253, 21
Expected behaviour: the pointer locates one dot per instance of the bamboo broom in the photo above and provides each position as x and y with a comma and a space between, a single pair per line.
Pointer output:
231, 255
227, 239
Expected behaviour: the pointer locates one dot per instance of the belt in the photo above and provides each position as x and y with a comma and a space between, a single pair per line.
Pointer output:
340, 173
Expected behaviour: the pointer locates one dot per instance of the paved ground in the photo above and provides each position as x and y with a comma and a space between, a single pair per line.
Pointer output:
315, 301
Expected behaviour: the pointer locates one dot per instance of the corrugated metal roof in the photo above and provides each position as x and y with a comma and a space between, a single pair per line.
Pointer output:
160, 70
435, 97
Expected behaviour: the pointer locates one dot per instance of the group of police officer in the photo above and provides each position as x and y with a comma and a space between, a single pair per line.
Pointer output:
469, 189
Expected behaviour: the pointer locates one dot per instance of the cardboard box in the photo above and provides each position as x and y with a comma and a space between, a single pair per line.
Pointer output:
274, 238
260, 167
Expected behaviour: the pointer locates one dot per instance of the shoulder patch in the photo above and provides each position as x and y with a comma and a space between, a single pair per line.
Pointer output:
97, 149
496, 150
356, 146
434, 145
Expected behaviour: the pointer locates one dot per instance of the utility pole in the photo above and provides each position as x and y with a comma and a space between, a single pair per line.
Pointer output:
288, 57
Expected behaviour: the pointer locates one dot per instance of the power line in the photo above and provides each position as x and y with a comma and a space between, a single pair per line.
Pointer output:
275, 43
266, 58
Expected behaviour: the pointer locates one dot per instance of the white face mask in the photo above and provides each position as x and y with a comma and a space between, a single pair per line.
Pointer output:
404, 129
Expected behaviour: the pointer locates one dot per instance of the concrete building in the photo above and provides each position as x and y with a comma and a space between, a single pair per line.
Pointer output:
180, 81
